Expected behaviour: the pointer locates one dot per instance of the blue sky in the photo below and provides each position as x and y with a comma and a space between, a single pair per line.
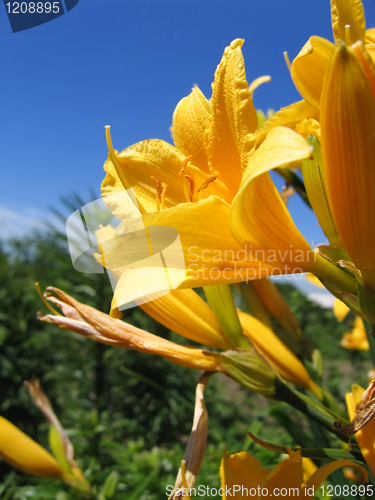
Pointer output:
127, 64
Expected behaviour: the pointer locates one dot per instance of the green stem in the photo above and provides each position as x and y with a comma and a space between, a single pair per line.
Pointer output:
311, 408
371, 341
325, 270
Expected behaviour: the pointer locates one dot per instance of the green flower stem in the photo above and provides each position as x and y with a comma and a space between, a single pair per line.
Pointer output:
311, 408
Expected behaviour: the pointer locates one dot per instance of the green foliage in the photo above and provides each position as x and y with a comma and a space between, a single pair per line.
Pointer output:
129, 415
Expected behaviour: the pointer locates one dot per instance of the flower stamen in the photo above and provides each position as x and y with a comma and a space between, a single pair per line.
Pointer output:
163, 194
189, 193
184, 164
115, 162
209, 179
287, 60
158, 193
347, 35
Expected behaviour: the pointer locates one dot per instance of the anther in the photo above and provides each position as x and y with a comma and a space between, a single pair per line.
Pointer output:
209, 179
190, 192
45, 301
184, 165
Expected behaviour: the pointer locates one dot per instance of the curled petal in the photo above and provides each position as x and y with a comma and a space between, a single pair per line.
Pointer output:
309, 67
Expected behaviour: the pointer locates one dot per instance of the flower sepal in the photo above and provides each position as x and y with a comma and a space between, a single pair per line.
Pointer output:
249, 369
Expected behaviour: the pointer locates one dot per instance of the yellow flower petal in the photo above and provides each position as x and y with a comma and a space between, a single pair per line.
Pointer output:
287, 474
340, 310
357, 338
309, 67
184, 312
25, 454
241, 469
189, 122
348, 149
258, 215
260, 221
277, 354
229, 135
276, 305
323, 472
348, 13
370, 42
290, 117
210, 255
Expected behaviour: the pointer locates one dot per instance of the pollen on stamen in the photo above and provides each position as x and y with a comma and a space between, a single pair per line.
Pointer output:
184, 165
209, 179
189, 193
158, 193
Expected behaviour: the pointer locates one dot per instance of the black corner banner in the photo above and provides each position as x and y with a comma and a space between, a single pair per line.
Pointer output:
24, 15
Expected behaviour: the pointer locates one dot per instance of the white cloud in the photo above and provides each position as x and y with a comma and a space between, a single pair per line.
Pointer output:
18, 223
323, 299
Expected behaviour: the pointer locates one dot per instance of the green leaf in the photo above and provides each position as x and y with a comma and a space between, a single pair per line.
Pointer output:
110, 485
57, 447
313, 453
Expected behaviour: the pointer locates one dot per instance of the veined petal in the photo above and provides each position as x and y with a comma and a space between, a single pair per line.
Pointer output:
158, 159
287, 474
189, 123
309, 67
25, 454
241, 469
258, 215
348, 149
184, 312
276, 305
290, 117
233, 119
348, 13
370, 43
284, 362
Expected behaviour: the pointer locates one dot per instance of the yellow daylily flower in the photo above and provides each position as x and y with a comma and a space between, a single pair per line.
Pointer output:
190, 186
98, 326
357, 338
365, 436
242, 475
348, 150
25, 454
